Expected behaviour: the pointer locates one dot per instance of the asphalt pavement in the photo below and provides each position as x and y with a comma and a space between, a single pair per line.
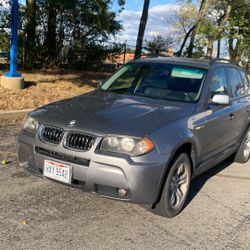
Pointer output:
38, 214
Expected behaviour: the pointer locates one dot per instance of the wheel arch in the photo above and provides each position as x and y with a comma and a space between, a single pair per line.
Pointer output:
188, 147
238, 157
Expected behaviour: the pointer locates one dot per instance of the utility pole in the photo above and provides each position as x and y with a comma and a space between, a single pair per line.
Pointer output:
125, 52
142, 27
12, 79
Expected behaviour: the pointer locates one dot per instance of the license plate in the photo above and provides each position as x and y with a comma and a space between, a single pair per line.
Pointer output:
57, 171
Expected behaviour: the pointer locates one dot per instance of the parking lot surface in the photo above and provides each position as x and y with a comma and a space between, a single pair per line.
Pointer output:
38, 214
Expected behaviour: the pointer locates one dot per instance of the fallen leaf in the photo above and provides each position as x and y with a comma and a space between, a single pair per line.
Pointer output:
24, 222
4, 162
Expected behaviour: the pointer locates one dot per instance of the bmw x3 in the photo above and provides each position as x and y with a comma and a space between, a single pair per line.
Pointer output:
145, 133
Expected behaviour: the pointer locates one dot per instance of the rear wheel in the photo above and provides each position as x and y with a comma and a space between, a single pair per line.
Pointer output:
176, 188
243, 153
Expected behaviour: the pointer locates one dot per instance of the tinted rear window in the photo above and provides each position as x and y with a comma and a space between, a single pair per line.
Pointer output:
245, 82
235, 82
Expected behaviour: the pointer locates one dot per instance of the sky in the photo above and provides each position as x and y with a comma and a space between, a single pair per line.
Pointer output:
136, 5
161, 17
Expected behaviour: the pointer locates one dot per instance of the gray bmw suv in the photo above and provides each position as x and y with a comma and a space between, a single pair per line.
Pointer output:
144, 133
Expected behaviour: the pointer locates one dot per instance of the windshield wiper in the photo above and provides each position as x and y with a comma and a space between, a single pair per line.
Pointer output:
119, 91
149, 96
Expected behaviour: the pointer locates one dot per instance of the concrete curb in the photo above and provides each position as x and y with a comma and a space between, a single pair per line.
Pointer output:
14, 113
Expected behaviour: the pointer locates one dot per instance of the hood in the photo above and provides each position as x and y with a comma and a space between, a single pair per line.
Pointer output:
102, 112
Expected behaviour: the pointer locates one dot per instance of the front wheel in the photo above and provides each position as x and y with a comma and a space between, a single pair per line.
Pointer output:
176, 188
243, 153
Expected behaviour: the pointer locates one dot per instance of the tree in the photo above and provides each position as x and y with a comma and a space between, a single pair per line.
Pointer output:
239, 31
159, 43
30, 41
186, 17
142, 27
204, 5
68, 29
213, 25
210, 25
93, 24
50, 37
5, 21
202, 12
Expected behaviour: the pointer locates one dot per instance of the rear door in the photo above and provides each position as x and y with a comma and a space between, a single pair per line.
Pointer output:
246, 84
239, 102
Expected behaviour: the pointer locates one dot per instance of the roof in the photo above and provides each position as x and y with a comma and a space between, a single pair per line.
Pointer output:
193, 62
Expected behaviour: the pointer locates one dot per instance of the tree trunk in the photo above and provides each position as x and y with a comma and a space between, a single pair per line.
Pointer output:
210, 47
50, 41
61, 30
30, 42
178, 54
191, 44
230, 47
202, 12
223, 21
220, 29
218, 48
234, 50
144, 19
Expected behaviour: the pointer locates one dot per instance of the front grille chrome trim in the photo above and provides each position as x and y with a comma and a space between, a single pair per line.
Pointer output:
79, 141
72, 140
51, 134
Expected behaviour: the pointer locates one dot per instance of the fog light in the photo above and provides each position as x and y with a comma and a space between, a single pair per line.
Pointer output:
122, 192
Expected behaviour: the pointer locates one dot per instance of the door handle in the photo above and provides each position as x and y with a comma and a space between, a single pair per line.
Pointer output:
231, 117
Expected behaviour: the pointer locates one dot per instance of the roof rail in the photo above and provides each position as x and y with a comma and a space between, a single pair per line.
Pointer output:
223, 60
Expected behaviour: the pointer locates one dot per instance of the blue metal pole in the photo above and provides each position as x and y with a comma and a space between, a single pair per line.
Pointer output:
14, 39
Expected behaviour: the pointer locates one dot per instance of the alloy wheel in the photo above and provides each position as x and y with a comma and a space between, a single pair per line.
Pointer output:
178, 185
247, 146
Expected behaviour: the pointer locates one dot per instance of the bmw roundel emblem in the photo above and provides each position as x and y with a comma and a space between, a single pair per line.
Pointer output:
72, 123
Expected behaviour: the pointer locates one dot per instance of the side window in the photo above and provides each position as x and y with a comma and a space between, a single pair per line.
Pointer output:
236, 83
245, 82
218, 83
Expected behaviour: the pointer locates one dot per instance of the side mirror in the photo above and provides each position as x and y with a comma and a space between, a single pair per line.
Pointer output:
221, 100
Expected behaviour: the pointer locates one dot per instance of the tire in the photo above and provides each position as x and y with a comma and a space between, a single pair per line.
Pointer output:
174, 194
243, 153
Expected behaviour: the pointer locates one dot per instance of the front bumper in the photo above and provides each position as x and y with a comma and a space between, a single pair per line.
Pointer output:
98, 173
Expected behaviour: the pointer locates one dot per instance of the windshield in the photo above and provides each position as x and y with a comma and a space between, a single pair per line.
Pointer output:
163, 81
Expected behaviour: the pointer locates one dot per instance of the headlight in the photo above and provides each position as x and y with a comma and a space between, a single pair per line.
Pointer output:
30, 123
127, 145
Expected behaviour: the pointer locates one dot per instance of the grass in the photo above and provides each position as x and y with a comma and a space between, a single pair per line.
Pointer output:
43, 87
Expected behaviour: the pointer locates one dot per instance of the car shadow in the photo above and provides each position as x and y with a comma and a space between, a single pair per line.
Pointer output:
200, 181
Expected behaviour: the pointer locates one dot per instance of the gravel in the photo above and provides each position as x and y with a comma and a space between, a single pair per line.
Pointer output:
38, 214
